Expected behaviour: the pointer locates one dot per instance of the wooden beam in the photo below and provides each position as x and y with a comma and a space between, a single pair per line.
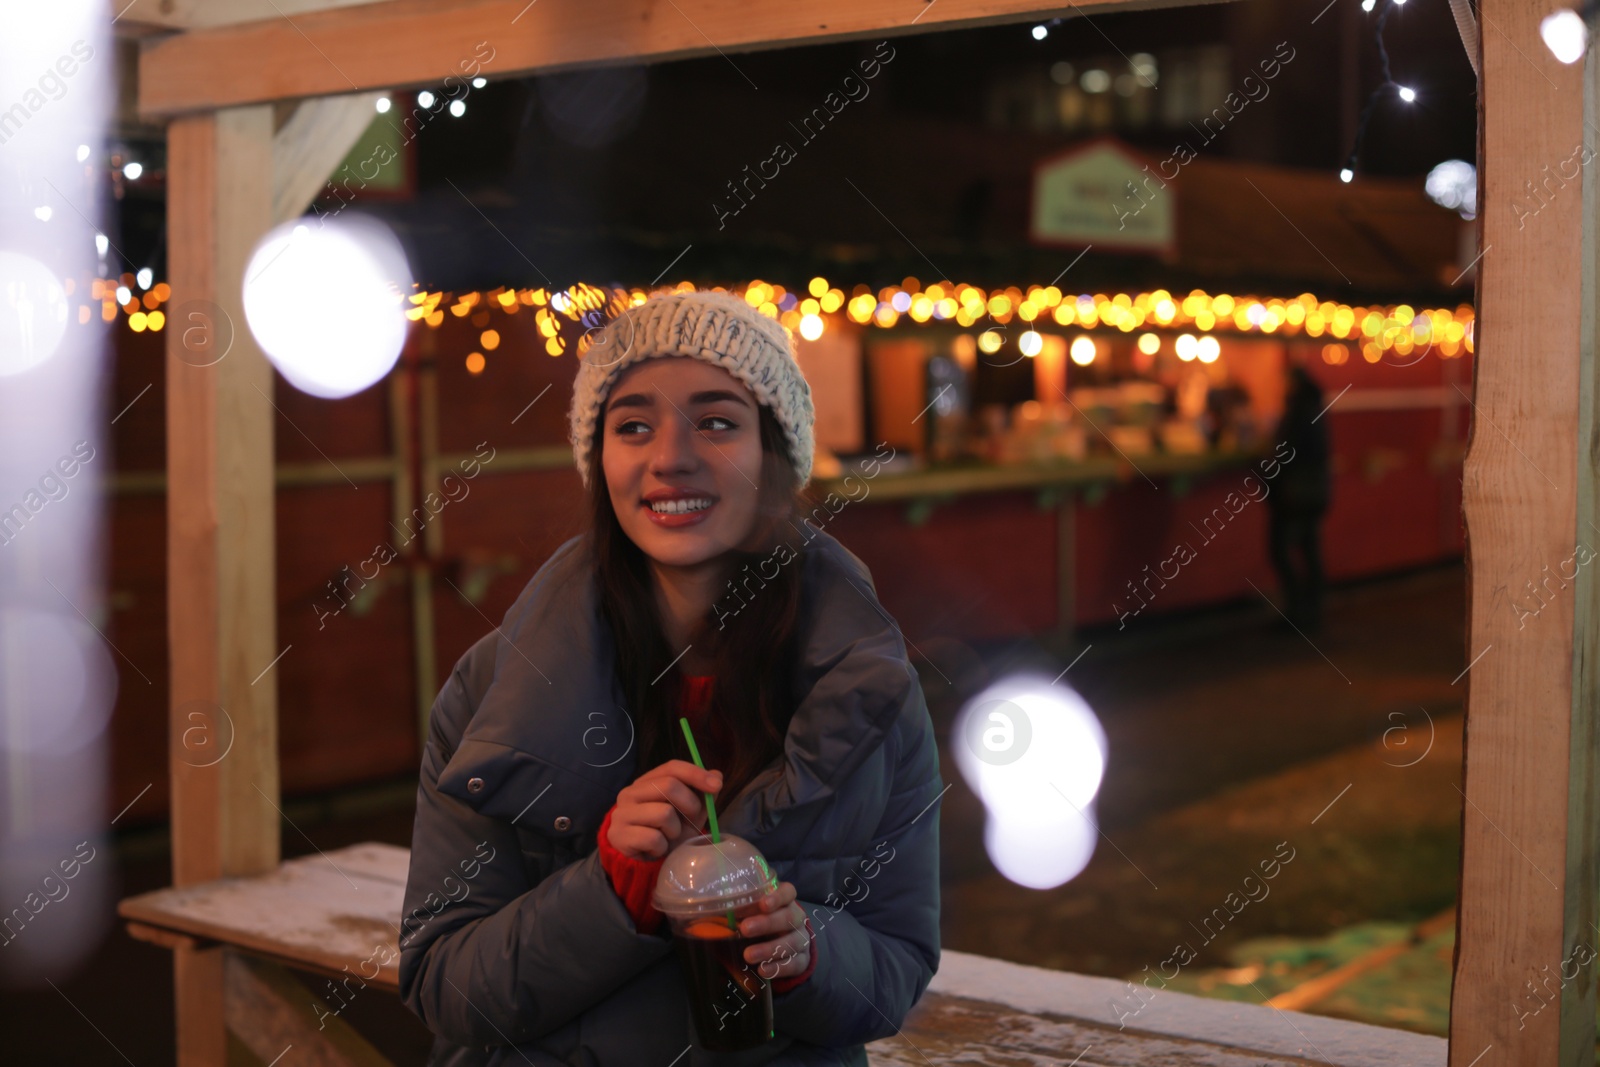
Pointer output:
405, 43
270, 1012
1523, 987
1583, 767
221, 601
315, 140
140, 15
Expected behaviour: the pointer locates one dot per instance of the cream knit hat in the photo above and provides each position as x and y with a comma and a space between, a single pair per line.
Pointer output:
717, 328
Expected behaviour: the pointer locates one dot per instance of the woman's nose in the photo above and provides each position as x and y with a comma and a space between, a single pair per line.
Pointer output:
675, 449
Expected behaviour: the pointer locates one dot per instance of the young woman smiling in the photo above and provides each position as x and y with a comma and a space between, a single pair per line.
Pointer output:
554, 746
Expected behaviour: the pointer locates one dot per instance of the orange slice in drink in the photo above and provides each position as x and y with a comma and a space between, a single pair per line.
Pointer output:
708, 929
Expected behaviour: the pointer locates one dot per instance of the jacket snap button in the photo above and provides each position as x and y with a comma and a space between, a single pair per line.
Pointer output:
474, 785
563, 823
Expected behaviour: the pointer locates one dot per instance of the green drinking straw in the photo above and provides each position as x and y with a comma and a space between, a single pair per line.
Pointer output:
711, 803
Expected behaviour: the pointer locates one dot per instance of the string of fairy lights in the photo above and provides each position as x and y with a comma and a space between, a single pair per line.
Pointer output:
1379, 91
565, 318
1000, 316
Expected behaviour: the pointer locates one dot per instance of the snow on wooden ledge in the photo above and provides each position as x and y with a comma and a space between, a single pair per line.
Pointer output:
981, 1010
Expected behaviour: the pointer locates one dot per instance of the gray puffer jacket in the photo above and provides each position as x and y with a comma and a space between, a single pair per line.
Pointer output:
515, 949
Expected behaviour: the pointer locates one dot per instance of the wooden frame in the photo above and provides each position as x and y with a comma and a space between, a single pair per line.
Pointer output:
1528, 876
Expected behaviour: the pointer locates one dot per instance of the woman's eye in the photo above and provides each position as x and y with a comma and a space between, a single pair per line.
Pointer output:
631, 426
726, 424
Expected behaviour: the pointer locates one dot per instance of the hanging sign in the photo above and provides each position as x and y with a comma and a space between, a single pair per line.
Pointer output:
1102, 194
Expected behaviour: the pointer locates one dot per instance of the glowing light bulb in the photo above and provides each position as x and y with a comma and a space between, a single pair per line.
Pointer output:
1565, 34
1407, 94
1035, 754
326, 305
1207, 349
811, 326
1082, 351
383, 104
458, 108
33, 313
1030, 344
1187, 346
83, 152
132, 171
1347, 175
146, 277
1040, 32
424, 99
479, 83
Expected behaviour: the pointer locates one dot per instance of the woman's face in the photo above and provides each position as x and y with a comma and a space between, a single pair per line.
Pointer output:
682, 459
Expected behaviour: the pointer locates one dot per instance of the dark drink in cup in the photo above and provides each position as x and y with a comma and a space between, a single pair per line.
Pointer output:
704, 889
730, 1001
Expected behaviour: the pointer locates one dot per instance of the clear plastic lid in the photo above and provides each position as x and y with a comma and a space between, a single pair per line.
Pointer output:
700, 877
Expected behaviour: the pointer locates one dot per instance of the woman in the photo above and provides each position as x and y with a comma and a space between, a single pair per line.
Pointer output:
555, 777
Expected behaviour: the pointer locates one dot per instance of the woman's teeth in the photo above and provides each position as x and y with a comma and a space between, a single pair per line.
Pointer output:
679, 507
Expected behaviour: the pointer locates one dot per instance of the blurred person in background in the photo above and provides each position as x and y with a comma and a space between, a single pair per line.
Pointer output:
1299, 500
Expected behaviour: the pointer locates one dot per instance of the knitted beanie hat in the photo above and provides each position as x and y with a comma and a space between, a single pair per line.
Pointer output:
716, 328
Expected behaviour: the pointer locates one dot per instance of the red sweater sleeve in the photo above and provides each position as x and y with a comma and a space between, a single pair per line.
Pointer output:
634, 880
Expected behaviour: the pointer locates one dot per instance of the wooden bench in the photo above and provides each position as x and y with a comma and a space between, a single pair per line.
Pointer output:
335, 915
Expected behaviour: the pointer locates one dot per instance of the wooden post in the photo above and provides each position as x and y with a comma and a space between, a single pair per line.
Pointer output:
222, 621
1583, 798
1524, 991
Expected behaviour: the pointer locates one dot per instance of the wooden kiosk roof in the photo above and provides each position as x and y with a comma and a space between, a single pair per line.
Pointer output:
216, 68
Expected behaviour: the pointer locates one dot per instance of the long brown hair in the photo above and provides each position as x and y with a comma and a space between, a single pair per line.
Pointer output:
753, 650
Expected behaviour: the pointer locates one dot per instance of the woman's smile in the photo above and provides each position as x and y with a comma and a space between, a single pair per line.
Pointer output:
672, 509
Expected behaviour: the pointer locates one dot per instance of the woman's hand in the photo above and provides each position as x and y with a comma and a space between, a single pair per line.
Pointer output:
664, 806
789, 951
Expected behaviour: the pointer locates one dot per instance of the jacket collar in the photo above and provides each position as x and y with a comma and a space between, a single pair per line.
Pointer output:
550, 743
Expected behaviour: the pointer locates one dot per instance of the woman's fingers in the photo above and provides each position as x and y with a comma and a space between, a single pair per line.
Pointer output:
639, 842
655, 815
788, 917
785, 955
783, 895
690, 810
685, 801
695, 779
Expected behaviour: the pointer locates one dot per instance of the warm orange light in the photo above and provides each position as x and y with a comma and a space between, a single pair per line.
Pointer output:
155, 320
475, 362
490, 340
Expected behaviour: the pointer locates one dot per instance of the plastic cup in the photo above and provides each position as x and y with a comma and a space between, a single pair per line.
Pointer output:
704, 889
